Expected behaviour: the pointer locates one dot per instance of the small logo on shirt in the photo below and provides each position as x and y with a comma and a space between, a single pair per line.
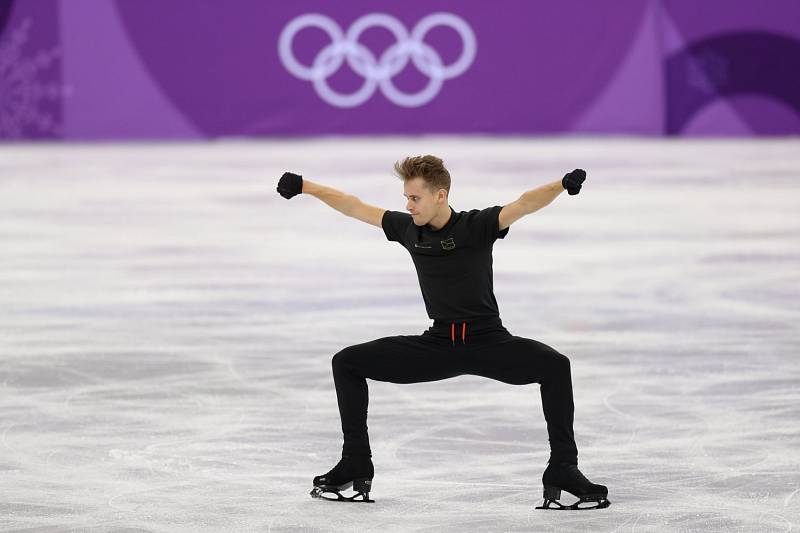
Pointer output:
448, 244
424, 245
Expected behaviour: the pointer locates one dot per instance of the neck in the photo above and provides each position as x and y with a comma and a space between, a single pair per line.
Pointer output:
441, 219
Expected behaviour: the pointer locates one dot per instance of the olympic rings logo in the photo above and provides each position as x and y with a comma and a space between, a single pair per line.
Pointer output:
377, 73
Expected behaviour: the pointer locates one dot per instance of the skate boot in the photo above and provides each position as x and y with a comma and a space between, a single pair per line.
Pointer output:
351, 471
565, 476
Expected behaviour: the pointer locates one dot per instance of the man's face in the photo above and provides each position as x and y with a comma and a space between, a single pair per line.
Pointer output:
421, 202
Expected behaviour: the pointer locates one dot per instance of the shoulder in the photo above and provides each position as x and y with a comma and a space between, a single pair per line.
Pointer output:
395, 217
482, 215
395, 224
484, 224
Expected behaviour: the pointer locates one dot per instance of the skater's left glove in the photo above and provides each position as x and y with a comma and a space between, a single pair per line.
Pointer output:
572, 181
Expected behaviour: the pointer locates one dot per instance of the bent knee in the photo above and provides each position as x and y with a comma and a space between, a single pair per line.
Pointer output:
343, 357
339, 358
562, 362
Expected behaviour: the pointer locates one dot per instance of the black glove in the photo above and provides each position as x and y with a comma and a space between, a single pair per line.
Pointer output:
572, 181
290, 185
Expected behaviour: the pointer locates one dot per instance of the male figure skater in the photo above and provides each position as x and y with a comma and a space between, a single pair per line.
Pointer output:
452, 253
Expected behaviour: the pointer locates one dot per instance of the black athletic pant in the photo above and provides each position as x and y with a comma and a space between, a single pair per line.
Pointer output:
478, 347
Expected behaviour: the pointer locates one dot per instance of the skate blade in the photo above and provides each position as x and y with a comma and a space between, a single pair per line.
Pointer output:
324, 493
580, 505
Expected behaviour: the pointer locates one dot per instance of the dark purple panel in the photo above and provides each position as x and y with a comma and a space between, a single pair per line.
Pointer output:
5, 12
740, 63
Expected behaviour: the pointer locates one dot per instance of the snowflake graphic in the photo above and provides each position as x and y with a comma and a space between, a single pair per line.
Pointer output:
708, 71
22, 93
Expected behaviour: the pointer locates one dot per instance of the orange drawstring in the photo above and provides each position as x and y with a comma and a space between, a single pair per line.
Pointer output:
453, 332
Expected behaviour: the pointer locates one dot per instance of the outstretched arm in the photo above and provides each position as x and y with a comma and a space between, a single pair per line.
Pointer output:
347, 204
338, 200
530, 202
535, 199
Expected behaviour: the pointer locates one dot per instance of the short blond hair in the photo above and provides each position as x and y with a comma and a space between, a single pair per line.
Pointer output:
428, 167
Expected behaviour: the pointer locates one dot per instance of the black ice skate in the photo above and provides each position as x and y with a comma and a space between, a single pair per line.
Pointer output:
563, 476
350, 471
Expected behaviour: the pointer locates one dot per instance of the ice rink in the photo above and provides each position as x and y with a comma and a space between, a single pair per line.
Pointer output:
167, 323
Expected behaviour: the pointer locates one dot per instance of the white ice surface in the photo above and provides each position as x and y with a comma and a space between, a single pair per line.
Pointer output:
167, 322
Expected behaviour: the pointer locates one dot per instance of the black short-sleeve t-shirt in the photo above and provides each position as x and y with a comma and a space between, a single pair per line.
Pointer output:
454, 264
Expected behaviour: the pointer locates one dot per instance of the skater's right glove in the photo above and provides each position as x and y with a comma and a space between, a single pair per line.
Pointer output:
290, 185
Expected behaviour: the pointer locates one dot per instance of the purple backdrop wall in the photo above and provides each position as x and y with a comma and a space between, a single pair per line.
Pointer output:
187, 69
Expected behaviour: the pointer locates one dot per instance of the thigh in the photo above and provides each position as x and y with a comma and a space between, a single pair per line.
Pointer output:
516, 360
401, 359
